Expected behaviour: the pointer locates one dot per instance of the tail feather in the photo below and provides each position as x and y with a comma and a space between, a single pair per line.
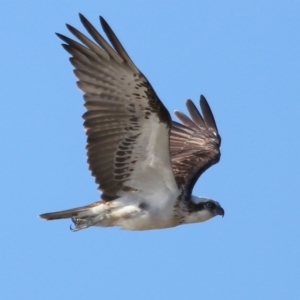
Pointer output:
64, 214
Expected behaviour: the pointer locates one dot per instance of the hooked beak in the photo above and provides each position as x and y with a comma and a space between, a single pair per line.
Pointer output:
220, 211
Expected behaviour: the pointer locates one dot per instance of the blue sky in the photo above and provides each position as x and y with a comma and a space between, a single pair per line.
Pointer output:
244, 56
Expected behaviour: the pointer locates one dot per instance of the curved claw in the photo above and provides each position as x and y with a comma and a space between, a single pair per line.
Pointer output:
73, 229
81, 223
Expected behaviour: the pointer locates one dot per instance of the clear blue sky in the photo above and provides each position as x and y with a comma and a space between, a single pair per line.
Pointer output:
244, 56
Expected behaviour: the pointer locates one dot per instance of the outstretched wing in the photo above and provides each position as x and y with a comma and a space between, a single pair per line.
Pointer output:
194, 144
126, 124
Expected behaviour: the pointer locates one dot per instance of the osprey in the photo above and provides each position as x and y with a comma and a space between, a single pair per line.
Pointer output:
145, 164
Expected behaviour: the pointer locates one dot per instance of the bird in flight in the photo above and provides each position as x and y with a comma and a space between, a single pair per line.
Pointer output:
145, 164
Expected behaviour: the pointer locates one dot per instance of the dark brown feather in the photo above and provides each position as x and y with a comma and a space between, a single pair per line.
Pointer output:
194, 144
118, 99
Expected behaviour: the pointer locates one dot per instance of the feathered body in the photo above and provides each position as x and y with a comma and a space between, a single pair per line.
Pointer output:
145, 164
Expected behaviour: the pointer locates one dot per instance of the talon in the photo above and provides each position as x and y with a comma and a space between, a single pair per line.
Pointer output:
73, 229
81, 223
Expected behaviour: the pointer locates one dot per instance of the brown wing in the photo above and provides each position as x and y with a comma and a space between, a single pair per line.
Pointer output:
126, 124
194, 144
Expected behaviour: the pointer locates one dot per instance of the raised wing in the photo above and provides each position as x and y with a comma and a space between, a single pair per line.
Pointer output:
194, 144
126, 124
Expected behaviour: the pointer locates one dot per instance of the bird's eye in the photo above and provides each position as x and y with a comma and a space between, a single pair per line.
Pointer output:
209, 205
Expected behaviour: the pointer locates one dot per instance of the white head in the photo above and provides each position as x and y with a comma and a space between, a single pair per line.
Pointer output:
203, 209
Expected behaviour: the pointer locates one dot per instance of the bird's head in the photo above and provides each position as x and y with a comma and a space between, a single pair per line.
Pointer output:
204, 209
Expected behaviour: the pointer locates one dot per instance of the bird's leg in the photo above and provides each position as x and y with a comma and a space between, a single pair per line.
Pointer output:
82, 223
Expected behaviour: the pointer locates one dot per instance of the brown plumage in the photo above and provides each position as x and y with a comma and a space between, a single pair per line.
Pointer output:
194, 144
107, 75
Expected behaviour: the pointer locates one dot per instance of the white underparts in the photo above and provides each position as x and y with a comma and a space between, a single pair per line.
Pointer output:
130, 217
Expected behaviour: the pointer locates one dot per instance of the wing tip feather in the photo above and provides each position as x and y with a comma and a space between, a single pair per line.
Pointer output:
208, 114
